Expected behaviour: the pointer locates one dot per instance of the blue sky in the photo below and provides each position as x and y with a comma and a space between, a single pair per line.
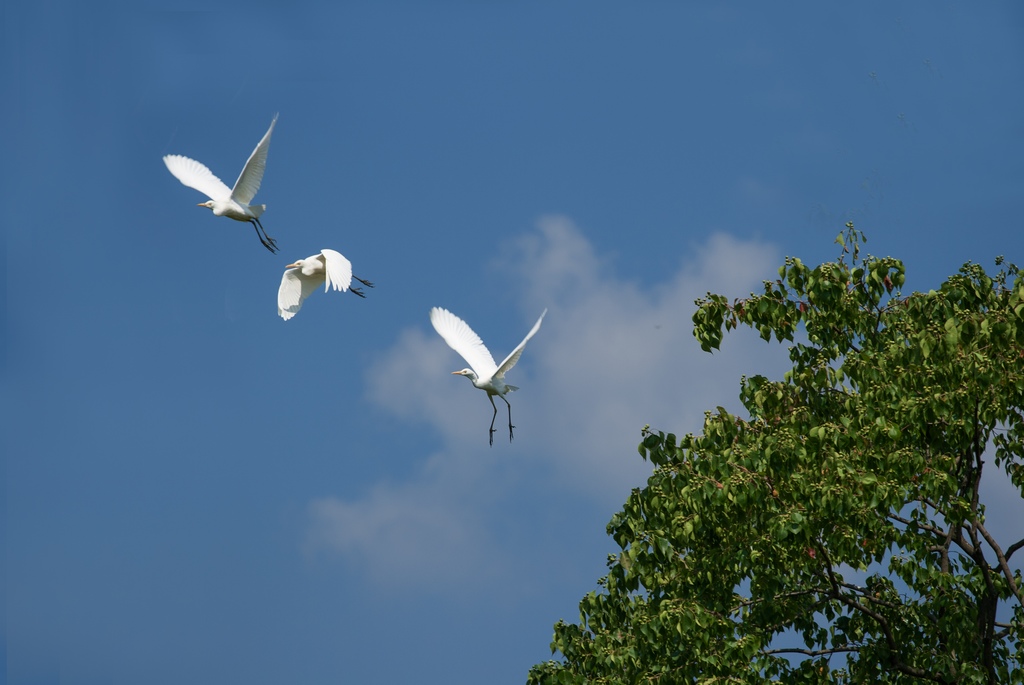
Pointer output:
198, 491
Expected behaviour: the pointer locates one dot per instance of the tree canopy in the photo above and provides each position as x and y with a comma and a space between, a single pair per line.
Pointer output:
838, 533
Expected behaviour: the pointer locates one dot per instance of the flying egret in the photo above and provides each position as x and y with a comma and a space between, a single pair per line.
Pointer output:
303, 276
484, 374
230, 202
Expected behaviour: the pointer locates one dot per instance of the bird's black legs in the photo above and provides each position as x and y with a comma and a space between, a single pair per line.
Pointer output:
270, 243
359, 291
490, 436
267, 241
510, 426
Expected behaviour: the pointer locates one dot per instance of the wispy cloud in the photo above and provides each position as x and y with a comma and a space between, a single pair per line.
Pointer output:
415, 525
611, 356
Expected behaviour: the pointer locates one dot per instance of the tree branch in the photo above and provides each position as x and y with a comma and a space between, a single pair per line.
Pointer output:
810, 652
1004, 565
988, 602
882, 622
775, 598
923, 526
948, 537
866, 594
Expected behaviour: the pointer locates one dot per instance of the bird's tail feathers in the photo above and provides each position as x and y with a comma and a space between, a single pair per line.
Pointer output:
257, 209
512, 388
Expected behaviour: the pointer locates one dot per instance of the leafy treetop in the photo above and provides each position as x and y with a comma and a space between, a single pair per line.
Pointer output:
838, 533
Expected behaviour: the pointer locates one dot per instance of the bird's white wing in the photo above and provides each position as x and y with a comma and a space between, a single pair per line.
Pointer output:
339, 270
195, 175
295, 288
461, 338
512, 358
252, 173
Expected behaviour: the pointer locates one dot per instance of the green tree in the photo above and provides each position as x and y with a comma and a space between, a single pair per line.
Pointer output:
838, 534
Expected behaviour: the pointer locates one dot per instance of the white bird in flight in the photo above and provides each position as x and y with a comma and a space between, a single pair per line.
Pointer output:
484, 374
302, 277
230, 202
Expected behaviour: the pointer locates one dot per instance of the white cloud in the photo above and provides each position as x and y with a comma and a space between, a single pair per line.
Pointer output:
615, 356
414, 524
611, 356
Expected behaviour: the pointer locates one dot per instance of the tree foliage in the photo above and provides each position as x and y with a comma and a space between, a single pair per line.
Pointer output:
838, 534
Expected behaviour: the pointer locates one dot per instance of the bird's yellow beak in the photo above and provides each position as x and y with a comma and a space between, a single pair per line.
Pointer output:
201, 204
293, 265
456, 373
